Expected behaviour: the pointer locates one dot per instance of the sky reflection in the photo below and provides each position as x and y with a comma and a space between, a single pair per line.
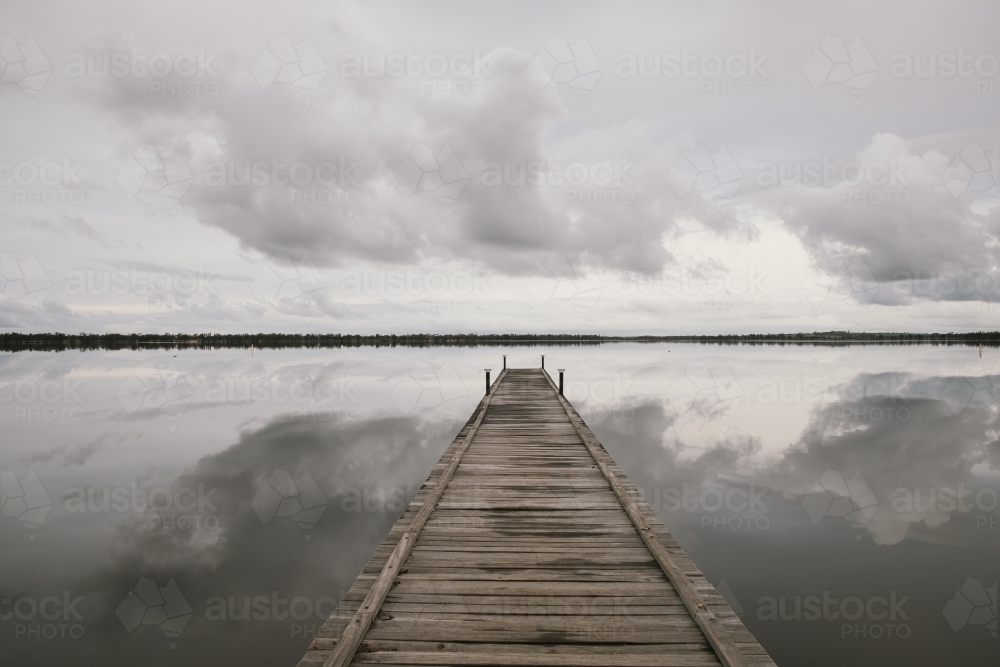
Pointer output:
257, 487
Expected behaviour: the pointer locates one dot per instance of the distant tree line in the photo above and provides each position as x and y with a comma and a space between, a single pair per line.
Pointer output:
16, 342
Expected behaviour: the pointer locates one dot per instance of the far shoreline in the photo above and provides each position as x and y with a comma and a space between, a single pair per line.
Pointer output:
18, 342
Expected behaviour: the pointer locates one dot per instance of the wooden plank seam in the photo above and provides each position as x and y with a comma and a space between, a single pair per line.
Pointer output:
358, 626
716, 634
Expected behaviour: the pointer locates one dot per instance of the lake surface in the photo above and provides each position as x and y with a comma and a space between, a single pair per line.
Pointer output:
196, 507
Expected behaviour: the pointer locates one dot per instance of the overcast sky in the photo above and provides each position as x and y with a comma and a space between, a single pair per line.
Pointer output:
556, 167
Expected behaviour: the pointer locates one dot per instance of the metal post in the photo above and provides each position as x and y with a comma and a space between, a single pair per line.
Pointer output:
488, 380
561, 381
543, 361
505, 362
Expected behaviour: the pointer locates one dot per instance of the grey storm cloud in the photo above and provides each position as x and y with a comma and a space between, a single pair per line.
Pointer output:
888, 216
913, 440
363, 470
910, 464
74, 455
351, 144
642, 445
363, 460
341, 457
380, 136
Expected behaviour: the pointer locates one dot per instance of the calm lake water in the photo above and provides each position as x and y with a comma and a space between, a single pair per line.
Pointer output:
843, 498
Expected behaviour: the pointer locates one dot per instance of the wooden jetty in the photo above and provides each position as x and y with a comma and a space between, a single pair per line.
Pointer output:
527, 545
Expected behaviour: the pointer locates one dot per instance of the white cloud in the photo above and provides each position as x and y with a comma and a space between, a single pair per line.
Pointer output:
277, 153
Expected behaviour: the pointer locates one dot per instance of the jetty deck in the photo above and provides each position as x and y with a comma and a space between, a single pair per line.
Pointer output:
527, 545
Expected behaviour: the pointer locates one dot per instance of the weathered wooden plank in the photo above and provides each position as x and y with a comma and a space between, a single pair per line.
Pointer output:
474, 542
720, 638
534, 549
527, 547
487, 575
568, 559
503, 657
427, 606
529, 587
542, 629
366, 613
541, 602
373, 646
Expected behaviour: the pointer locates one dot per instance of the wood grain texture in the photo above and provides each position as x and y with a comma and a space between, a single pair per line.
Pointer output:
527, 545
